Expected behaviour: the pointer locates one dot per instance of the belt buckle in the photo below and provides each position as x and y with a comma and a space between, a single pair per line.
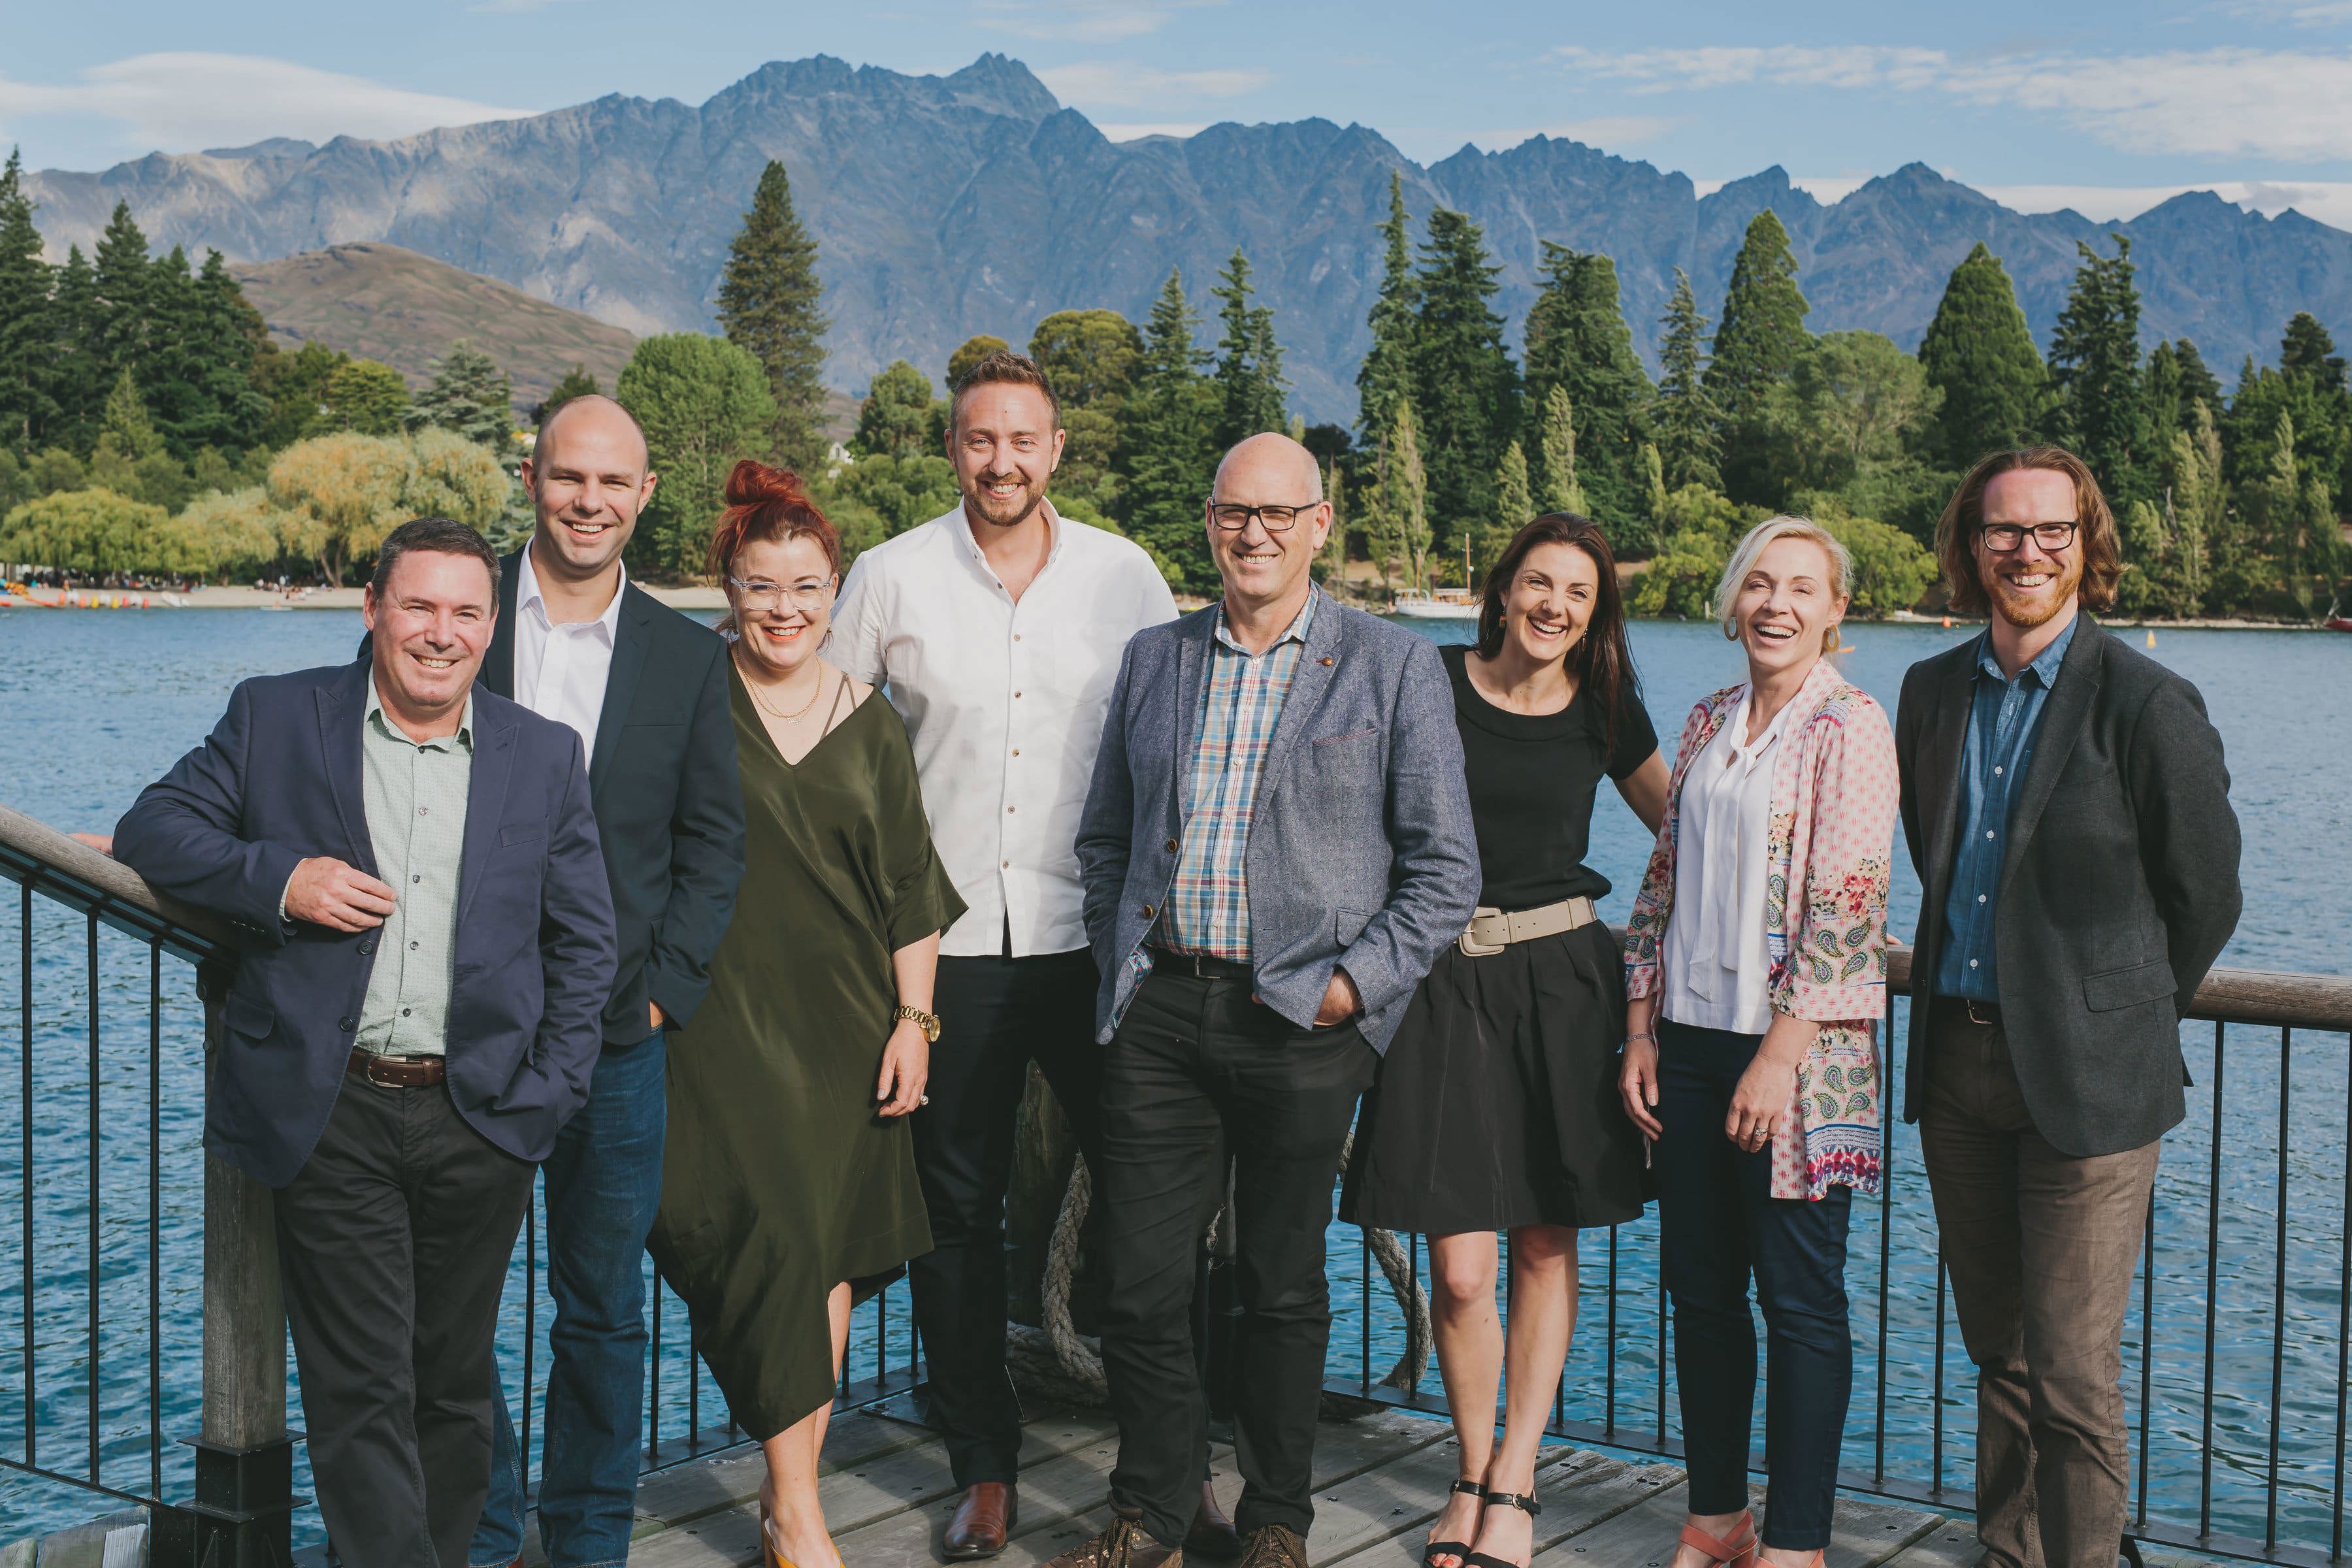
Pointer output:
375, 1059
1468, 940
1992, 1023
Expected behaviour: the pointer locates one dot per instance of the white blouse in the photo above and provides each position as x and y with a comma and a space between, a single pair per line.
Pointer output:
1714, 961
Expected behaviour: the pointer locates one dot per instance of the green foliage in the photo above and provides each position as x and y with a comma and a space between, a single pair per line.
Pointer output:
1892, 571
1515, 507
346, 493
231, 536
28, 330
575, 382
2177, 381
968, 354
771, 304
1562, 491
365, 397
2094, 366
1465, 391
895, 419
1980, 355
899, 491
1248, 374
92, 532
454, 478
1400, 505
1757, 344
1850, 421
1696, 528
1684, 419
1166, 457
1578, 343
296, 385
470, 395
704, 404
1385, 377
1092, 357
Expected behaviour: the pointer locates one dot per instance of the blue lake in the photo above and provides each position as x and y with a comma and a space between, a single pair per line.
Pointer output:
93, 705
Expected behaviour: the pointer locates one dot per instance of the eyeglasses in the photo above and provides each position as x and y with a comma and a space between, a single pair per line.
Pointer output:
1277, 519
2001, 538
761, 594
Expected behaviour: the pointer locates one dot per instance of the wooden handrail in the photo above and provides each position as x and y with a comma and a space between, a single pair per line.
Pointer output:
80, 875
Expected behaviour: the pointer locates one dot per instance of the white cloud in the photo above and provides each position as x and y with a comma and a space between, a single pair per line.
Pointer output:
1084, 21
1829, 189
1120, 82
181, 101
1133, 130
2302, 13
1607, 132
2293, 105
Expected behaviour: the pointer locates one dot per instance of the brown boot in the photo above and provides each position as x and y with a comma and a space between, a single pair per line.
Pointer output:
1124, 1545
1274, 1546
981, 1520
1212, 1534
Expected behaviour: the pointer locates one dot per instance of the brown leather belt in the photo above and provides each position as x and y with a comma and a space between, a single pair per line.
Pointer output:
1984, 1015
398, 1073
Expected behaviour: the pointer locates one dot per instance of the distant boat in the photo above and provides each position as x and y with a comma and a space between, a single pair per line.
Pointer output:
2336, 620
1437, 605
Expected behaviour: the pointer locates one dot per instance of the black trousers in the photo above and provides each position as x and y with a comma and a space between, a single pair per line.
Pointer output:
393, 1245
996, 1016
1198, 1072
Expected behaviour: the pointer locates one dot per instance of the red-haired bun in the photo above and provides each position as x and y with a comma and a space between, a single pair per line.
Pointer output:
754, 482
769, 503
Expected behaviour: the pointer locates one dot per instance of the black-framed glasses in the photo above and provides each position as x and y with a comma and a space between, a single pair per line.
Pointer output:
2001, 538
761, 594
1277, 519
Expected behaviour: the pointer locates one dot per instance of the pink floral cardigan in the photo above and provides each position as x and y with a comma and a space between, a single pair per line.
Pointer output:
1832, 835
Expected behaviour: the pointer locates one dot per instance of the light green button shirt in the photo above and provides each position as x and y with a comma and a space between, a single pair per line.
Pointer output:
417, 821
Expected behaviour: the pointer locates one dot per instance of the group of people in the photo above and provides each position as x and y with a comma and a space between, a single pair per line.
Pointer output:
755, 966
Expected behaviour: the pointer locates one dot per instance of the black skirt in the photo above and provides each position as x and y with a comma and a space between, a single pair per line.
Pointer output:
1496, 1103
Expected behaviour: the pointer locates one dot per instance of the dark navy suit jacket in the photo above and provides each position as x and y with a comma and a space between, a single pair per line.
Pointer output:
280, 779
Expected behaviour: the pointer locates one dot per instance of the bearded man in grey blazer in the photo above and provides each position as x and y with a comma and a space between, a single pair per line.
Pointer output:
1276, 845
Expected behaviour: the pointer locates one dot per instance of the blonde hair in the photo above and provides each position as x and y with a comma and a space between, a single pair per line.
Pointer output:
1745, 556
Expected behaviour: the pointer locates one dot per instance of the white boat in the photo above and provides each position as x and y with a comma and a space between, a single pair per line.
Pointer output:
1437, 604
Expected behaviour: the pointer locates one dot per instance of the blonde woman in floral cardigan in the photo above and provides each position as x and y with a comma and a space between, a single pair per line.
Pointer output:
1758, 948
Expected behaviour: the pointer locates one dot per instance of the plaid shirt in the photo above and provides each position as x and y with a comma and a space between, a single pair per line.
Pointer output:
1240, 702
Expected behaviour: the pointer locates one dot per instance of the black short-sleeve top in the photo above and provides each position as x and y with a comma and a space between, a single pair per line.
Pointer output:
1532, 781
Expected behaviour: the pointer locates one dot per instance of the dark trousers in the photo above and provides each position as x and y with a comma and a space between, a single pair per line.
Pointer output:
1718, 1226
2041, 1247
604, 1183
996, 1016
1197, 1073
393, 1243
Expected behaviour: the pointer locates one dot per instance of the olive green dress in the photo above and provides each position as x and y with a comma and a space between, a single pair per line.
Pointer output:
779, 1182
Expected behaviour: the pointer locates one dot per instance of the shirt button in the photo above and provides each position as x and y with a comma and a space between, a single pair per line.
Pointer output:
419, 878
1016, 751
1988, 833
1972, 964
1016, 694
1011, 809
1007, 865
423, 811
404, 1012
1980, 897
1996, 772
1017, 636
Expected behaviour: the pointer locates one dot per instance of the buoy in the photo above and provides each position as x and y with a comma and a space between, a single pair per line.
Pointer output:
2151, 637
1948, 623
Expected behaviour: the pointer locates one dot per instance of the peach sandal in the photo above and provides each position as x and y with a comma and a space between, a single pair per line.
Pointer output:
1740, 1552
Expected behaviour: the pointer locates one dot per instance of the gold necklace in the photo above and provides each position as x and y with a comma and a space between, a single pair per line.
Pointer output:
753, 688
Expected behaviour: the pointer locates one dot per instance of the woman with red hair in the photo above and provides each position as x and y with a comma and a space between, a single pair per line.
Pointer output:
789, 1176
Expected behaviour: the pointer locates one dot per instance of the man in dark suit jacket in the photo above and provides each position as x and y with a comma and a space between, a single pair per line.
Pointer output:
414, 864
2069, 814
647, 690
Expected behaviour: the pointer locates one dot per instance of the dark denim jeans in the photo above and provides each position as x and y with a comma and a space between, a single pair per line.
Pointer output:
1718, 1225
604, 1183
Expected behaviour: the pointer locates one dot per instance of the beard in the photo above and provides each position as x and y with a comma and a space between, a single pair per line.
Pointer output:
2027, 611
1010, 511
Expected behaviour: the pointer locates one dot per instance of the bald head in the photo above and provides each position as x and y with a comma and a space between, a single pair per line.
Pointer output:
1276, 469
589, 476
595, 419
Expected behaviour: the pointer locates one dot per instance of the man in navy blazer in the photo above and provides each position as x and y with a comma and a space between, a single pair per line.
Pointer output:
428, 947
1275, 847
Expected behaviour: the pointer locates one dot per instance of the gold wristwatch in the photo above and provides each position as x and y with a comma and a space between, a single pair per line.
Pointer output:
927, 1022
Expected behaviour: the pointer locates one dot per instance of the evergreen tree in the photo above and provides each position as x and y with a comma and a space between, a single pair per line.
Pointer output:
1385, 377
575, 382
470, 395
1466, 390
1091, 357
705, 405
1578, 342
1562, 490
1757, 345
1166, 457
2094, 366
1248, 374
1405, 493
28, 329
771, 303
895, 420
225, 337
1980, 353
973, 350
1684, 419
122, 275
1515, 507
365, 397
80, 382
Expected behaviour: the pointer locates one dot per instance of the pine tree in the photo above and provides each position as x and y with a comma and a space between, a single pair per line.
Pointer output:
1248, 374
1576, 340
895, 420
2094, 366
1980, 353
123, 276
1561, 491
27, 328
1166, 458
575, 382
470, 395
1515, 507
1405, 493
1756, 346
1385, 378
771, 302
1684, 419
226, 336
1466, 390
80, 382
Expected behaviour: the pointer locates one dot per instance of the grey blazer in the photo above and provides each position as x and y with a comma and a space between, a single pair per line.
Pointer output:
2118, 890
1360, 848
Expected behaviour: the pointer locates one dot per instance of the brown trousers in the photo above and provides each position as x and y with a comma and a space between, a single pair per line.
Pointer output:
2041, 1247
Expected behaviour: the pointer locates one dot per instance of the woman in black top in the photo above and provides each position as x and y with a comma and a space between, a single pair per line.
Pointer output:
1496, 1107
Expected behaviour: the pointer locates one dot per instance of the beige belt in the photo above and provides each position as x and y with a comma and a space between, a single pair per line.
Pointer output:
1491, 931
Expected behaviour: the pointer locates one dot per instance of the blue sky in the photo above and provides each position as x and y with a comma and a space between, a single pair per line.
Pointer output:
2104, 106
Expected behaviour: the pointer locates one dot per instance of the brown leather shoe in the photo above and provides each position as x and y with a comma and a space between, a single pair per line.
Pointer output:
1212, 1534
978, 1530
1274, 1546
1124, 1545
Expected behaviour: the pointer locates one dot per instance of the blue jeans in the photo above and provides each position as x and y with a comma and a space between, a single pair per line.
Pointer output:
604, 1183
1719, 1224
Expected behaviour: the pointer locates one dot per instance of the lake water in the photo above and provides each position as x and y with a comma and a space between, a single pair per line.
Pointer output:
94, 705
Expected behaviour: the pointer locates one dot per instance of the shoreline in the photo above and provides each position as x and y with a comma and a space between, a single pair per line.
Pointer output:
687, 597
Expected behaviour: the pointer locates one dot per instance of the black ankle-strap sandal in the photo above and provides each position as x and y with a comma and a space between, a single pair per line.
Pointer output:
1437, 1549
1526, 1503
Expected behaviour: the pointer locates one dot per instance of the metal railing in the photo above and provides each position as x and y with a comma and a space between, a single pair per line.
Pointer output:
2236, 1363
106, 1397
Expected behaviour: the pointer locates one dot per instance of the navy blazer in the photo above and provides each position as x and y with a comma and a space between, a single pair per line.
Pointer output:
1361, 853
279, 780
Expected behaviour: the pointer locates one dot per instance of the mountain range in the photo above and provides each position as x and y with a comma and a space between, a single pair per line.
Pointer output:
946, 205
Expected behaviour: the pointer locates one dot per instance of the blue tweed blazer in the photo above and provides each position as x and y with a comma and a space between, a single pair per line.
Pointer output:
1360, 848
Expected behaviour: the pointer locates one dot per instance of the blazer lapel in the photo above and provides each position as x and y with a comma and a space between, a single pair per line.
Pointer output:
632, 638
486, 801
1940, 785
1191, 668
342, 710
2063, 717
497, 663
1317, 662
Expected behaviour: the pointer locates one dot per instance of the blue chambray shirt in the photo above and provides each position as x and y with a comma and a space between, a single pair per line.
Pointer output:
2004, 718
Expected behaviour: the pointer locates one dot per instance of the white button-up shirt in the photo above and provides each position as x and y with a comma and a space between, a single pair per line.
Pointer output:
560, 671
1716, 960
1005, 705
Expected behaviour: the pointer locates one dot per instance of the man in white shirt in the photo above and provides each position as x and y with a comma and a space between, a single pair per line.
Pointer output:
646, 691
997, 630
